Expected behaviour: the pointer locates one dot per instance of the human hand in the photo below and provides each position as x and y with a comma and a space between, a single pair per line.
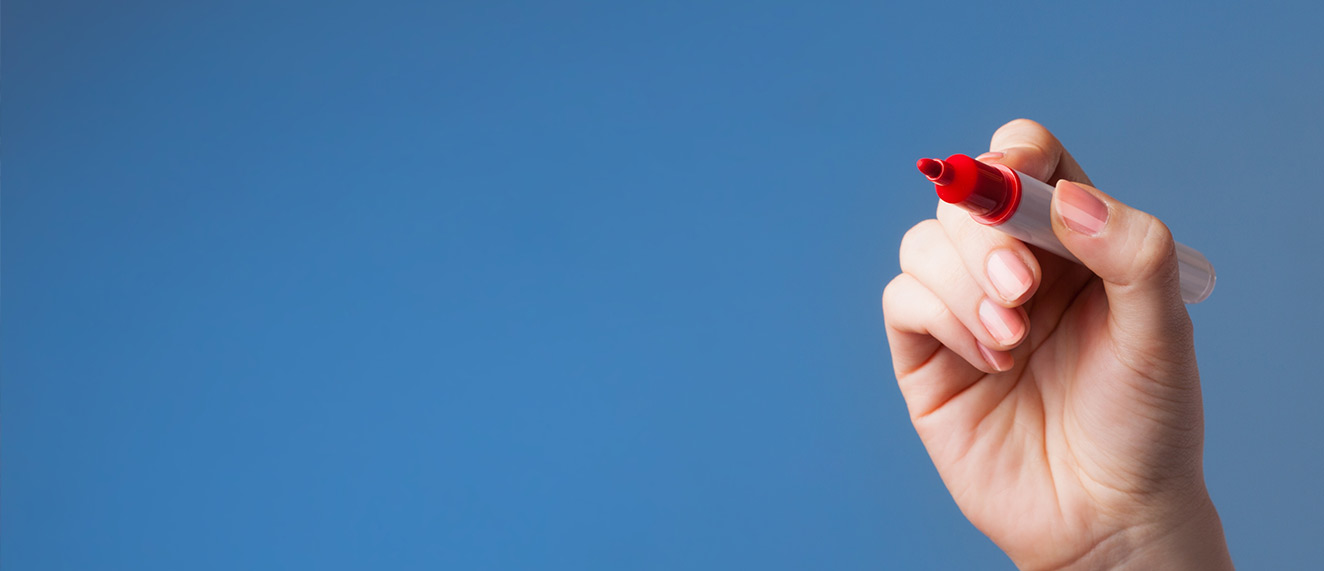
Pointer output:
1060, 403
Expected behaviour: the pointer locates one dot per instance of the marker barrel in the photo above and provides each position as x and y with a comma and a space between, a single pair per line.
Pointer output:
1031, 223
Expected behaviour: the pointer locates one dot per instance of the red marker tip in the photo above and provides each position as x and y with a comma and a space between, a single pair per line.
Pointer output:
932, 168
985, 190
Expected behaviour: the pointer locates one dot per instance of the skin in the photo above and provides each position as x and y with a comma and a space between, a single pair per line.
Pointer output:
1077, 443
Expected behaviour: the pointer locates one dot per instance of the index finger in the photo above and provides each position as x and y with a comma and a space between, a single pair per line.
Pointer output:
1030, 148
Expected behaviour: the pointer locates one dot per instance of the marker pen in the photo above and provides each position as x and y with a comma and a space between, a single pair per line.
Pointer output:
1019, 205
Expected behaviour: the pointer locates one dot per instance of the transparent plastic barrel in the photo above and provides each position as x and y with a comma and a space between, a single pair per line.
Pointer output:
1032, 224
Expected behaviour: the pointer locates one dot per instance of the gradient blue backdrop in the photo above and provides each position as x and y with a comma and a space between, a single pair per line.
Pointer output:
365, 285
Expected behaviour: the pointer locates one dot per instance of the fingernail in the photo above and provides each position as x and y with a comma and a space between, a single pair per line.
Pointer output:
1081, 211
989, 357
1003, 324
1009, 274
989, 156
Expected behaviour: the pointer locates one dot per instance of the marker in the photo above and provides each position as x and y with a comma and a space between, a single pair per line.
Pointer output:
1019, 205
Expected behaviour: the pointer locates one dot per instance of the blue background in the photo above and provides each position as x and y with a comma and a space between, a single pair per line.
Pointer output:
588, 285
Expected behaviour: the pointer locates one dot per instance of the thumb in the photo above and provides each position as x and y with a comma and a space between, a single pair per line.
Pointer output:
1134, 253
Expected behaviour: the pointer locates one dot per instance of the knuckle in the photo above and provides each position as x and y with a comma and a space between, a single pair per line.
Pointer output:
949, 214
918, 239
1157, 252
1022, 123
889, 292
893, 298
908, 305
1018, 125
939, 313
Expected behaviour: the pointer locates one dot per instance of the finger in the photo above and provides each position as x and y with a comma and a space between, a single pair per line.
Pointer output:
1028, 147
927, 338
1135, 256
1003, 266
929, 256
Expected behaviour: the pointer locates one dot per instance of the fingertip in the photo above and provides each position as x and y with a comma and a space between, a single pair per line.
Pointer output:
1131, 251
997, 361
1006, 327
1080, 210
1014, 275
1005, 268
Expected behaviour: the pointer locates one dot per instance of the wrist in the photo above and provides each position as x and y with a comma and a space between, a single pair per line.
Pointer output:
1190, 539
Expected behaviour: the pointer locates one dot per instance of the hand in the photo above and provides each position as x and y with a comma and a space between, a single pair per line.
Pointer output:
1060, 402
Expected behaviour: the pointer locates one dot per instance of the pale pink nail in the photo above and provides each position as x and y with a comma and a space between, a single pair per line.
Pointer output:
1003, 324
1080, 210
1009, 274
989, 156
989, 357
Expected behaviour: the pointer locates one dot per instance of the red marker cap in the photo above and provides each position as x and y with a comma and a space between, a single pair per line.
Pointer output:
990, 192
